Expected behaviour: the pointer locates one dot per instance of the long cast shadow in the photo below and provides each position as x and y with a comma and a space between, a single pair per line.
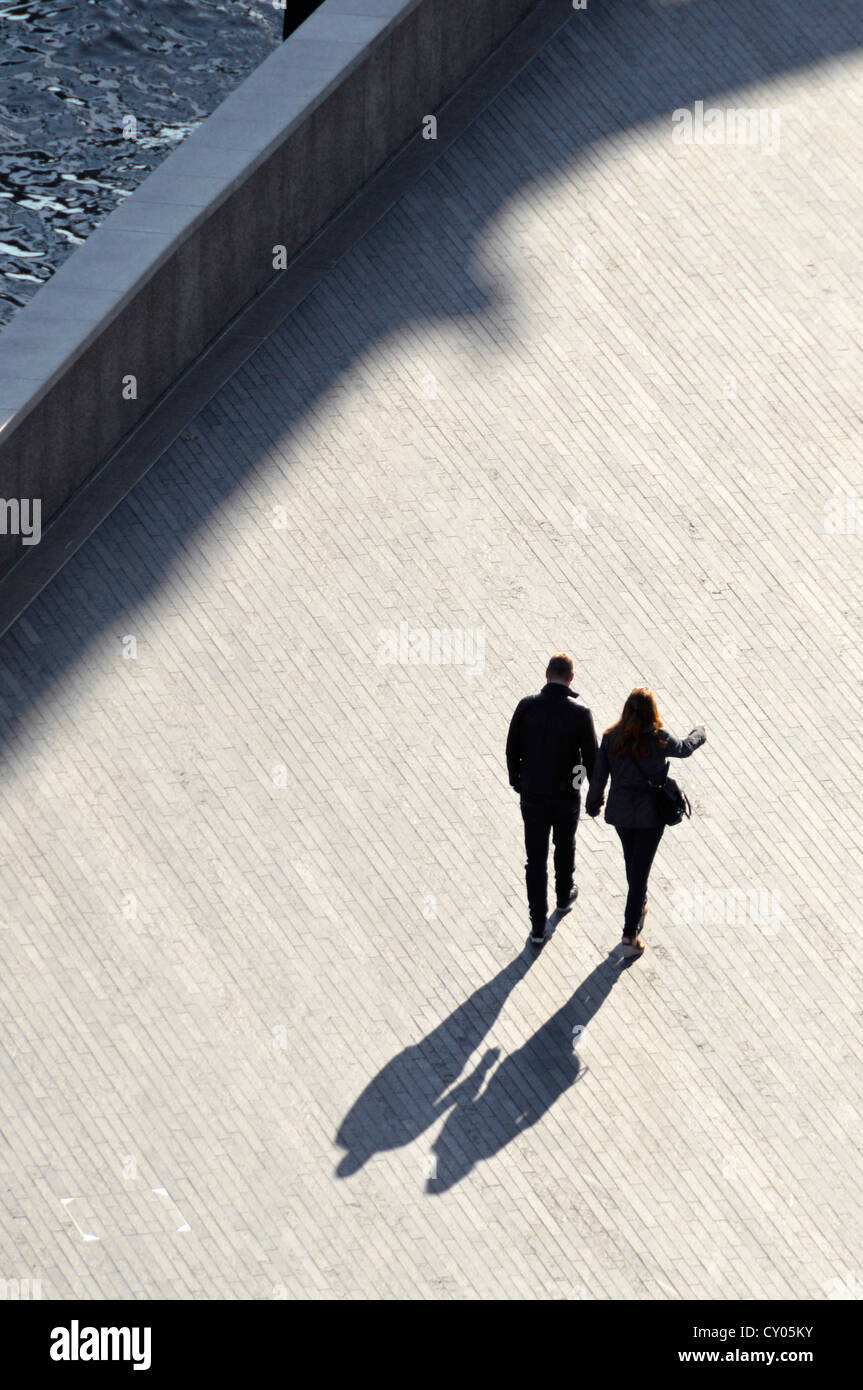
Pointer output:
522, 1089
405, 1096
614, 65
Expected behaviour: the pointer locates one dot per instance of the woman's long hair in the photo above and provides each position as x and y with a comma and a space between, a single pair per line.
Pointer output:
639, 715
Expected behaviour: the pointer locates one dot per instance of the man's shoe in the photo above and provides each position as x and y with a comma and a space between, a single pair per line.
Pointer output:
630, 948
537, 936
565, 904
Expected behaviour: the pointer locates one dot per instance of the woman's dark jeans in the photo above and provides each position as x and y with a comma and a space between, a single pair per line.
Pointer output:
639, 847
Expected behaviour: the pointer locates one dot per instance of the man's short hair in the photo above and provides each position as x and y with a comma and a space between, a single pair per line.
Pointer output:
561, 666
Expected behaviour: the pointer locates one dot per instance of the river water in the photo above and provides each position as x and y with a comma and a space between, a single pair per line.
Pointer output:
71, 73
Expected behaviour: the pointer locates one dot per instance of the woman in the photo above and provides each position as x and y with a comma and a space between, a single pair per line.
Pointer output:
633, 751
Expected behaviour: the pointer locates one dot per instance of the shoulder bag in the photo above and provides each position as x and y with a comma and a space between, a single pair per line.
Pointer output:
670, 801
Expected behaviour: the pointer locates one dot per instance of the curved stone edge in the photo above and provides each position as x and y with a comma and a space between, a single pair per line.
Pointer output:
133, 307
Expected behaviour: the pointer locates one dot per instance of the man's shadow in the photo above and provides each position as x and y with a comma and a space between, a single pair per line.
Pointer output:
405, 1096
524, 1087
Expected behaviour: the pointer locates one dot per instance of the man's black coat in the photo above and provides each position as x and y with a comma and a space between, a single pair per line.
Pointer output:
551, 736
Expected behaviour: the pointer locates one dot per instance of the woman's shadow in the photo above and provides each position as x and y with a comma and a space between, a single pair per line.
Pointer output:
409, 1093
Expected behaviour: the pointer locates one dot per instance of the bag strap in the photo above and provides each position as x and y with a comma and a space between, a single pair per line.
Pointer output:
656, 786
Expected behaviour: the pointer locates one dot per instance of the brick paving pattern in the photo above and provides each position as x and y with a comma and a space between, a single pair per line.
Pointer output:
269, 1019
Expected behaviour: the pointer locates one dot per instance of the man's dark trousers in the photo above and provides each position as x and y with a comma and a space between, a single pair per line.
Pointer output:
557, 816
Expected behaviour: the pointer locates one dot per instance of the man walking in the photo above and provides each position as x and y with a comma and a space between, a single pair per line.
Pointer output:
550, 748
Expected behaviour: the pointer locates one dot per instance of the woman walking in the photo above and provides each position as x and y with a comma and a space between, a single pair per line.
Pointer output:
633, 753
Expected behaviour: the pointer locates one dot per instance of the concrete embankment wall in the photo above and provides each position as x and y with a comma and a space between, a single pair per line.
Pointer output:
162, 276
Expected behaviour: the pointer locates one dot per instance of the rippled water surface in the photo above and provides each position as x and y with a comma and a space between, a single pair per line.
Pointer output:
71, 73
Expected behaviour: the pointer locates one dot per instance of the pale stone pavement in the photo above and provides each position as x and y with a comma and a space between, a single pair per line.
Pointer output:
583, 388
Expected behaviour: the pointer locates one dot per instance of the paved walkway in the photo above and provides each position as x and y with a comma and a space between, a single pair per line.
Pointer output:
271, 1032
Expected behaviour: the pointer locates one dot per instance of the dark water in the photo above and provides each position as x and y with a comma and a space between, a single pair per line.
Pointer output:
71, 71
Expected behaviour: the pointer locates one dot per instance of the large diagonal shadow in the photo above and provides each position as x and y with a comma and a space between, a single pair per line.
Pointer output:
614, 65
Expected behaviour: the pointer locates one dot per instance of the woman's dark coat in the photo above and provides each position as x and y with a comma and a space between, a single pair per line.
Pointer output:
630, 800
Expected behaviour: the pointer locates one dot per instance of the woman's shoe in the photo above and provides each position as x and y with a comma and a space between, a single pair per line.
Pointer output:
631, 947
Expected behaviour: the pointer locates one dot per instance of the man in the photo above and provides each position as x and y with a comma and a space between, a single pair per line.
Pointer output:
550, 748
